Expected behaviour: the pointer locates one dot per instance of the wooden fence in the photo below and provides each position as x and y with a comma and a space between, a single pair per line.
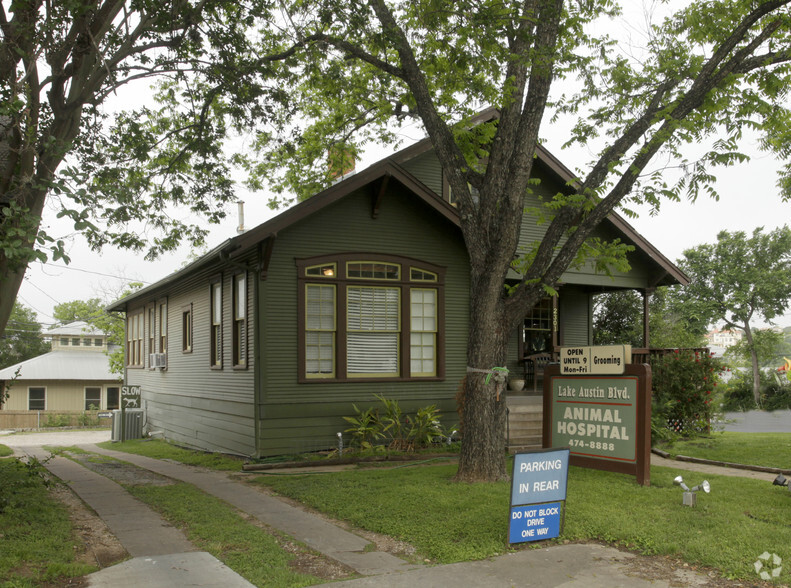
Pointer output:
45, 419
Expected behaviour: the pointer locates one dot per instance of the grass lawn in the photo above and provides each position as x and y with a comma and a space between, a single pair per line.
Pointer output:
449, 522
36, 542
159, 449
763, 449
215, 527
5, 450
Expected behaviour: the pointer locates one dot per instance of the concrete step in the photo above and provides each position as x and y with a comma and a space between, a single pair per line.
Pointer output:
520, 440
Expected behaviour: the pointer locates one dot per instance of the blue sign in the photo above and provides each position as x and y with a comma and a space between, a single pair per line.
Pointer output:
534, 522
540, 476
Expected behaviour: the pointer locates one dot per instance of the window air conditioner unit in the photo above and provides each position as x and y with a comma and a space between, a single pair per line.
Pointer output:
158, 360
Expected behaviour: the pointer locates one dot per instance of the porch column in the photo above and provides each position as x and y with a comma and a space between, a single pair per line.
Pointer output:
646, 334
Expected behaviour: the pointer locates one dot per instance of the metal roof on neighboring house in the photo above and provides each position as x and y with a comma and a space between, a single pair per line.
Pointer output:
77, 328
62, 365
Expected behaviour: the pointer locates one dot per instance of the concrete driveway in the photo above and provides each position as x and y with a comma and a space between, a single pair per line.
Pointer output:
55, 438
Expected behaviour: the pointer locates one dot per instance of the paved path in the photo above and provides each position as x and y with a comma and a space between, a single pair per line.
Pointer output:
163, 558
758, 421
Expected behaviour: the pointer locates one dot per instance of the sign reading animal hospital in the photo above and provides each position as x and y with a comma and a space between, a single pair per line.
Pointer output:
599, 360
596, 416
605, 421
538, 489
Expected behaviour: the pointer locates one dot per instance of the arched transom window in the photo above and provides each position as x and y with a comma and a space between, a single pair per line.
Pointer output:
366, 316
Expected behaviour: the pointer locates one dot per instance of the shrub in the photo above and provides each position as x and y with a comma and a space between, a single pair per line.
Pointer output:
683, 382
57, 420
402, 432
738, 394
777, 393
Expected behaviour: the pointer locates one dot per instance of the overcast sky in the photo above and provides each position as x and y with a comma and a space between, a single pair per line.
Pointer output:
749, 199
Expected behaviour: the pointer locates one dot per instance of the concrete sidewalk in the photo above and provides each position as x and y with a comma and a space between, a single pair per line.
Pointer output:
163, 558
161, 554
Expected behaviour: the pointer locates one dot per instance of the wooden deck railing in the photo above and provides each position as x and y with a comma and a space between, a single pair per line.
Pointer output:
646, 354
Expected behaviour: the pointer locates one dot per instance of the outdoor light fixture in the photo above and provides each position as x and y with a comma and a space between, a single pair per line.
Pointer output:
690, 496
780, 480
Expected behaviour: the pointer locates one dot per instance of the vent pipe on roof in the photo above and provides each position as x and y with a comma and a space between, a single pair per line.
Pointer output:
240, 229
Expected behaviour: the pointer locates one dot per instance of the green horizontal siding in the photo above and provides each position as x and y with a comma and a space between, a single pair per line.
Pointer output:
405, 227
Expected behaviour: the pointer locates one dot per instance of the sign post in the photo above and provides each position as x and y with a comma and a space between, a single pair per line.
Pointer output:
130, 398
538, 493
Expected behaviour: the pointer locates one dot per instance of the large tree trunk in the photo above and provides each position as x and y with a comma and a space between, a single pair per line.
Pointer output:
748, 333
483, 408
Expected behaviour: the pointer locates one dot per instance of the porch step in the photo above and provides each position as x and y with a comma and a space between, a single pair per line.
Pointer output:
525, 423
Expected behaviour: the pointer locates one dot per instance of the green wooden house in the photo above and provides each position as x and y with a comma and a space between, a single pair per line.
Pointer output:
262, 345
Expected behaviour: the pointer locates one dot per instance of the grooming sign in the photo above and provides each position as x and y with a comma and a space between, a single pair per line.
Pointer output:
600, 360
538, 490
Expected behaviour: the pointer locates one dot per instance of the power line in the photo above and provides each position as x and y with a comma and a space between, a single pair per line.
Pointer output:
85, 271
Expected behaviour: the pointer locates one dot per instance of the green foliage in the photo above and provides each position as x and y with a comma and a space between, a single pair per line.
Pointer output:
450, 522
37, 544
683, 383
212, 525
160, 449
738, 392
767, 344
88, 419
78, 310
739, 280
54, 420
618, 319
22, 338
771, 450
366, 427
402, 432
18, 477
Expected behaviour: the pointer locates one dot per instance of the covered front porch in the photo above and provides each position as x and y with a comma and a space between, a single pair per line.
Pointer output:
525, 407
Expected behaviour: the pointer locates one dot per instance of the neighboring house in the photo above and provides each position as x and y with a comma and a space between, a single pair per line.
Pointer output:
724, 338
75, 375
262, 345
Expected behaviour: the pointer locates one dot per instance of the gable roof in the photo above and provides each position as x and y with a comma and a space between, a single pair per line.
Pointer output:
76, 328
379, 174
62, 365
672, 274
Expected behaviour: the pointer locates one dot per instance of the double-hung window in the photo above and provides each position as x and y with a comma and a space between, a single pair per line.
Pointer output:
134, 340
239, 351
163, 327
37, 398
216, 324
151, 332
370, 318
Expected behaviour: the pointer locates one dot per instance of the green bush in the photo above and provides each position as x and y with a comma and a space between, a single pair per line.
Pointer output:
683, 383
777, 394
738, 393
401, 432
57, 420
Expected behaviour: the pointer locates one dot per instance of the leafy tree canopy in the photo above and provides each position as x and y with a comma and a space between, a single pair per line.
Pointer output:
78, 310
618, 319
739, 280
22, 339
308, 77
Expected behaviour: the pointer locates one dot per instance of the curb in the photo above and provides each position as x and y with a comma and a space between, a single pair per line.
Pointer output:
723, 464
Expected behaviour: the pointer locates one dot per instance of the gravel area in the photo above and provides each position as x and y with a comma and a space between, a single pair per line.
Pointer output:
56, 438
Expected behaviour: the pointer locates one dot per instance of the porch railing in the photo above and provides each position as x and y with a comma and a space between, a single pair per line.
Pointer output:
646, 354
